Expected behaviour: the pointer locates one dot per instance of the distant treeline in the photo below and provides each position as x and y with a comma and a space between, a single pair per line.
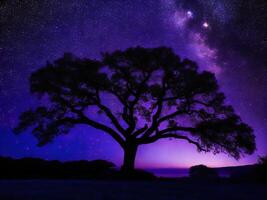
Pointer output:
247, 173
35, 168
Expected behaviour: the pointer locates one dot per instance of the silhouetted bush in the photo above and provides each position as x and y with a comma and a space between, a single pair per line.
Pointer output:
33, 168
243, 173
251, 173
202, 172
260, 171
262, 168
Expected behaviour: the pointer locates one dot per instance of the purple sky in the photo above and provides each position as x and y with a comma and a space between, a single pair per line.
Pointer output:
227, 37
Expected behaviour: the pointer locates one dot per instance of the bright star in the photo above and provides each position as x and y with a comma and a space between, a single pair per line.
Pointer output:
205, 25
189, 14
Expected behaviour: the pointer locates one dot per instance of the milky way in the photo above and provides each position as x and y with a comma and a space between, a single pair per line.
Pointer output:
227, 37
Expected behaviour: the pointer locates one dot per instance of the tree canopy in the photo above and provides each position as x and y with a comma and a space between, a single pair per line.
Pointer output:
156, 95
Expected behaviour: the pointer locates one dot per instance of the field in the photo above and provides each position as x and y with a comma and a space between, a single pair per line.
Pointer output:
116, 190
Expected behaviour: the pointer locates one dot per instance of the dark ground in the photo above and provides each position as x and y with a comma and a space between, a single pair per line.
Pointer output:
129, 190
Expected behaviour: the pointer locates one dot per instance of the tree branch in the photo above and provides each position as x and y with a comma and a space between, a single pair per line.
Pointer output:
128, 110
155, 117
174, 114
113, 119
177, 128
140, 131
104, 128
95, 124
172, 135
201, 103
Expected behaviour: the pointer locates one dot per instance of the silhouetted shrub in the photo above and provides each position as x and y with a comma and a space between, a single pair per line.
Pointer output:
261, 170
33, 168
244, 173
254, 173
202, 172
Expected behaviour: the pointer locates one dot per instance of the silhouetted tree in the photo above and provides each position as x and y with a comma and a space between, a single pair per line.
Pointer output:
202, 172
260, 172
147, 94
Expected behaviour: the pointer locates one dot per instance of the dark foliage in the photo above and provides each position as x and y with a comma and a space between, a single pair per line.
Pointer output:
202, 172
33, 168
157, 96
256, 173
242, 172
261, 170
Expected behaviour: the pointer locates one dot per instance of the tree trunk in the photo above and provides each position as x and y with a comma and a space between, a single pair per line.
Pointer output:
130, 150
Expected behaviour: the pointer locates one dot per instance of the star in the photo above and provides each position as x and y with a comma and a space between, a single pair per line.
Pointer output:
205, 25
190, 14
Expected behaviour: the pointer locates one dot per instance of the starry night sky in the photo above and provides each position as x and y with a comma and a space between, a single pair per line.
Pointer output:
227, 37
